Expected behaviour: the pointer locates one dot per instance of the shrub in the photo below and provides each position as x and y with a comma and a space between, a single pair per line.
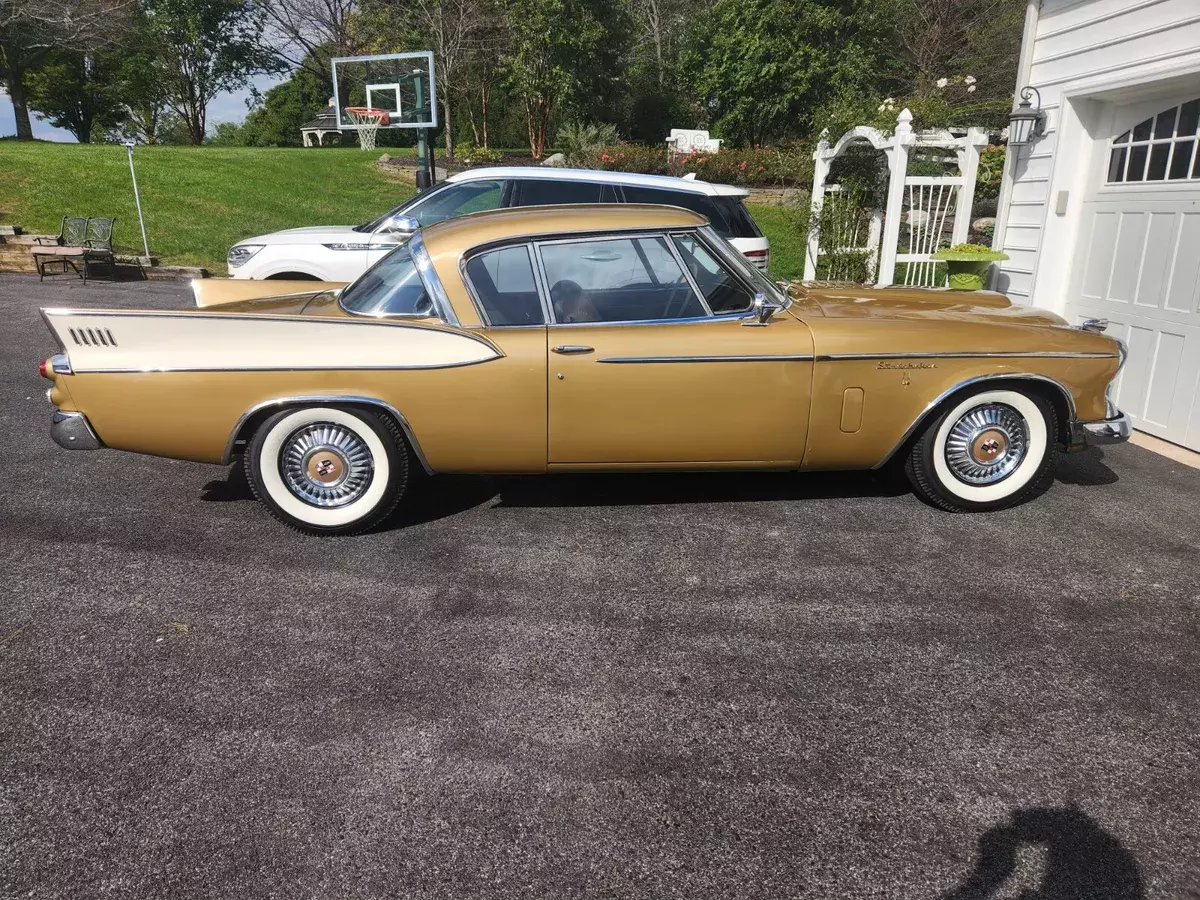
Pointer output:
787, 167
627, 158
470, 155
577, 141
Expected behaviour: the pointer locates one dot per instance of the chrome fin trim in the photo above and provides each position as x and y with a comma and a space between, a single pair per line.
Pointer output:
326, 400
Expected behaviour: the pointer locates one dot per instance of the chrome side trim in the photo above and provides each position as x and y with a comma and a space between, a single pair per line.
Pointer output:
999, 354
209, 312
704, 359
72, 431
978, 379
170, 369
310, 399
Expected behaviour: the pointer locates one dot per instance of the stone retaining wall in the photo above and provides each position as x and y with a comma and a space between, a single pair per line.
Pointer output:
16, 256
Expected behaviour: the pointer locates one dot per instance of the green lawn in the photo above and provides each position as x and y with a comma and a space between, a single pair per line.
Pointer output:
198, 201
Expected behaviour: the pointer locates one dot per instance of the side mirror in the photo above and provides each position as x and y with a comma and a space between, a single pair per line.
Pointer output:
761, 311
401, 224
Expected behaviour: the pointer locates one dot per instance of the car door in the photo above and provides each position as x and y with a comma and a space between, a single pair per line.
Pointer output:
444, 202
650, 365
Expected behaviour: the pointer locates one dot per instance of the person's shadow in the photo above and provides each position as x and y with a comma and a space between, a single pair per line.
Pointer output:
1082, 860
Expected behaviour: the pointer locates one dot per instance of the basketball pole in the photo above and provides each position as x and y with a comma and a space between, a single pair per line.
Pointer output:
424, 170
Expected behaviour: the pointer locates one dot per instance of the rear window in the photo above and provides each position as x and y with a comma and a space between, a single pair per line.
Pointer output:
728, 216
739, 222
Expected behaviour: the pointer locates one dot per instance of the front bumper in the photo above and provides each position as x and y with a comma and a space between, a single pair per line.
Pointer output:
72, 431
1115, 430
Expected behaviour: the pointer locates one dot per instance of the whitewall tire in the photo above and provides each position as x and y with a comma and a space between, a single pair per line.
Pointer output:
989, 450
327, 470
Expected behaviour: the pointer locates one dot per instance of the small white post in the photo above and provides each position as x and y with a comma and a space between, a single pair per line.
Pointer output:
968, 167
874, 230
897, 170
821, 165
129, 145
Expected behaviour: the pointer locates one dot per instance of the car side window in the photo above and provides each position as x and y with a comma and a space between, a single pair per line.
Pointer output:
724, 291
617, 280
550, 192
457, 200
504, 284
698, 203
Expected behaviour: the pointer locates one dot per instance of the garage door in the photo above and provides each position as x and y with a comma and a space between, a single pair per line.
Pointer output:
1139, 263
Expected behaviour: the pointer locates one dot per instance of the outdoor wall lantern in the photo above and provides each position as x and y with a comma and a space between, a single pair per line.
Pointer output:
1025, 122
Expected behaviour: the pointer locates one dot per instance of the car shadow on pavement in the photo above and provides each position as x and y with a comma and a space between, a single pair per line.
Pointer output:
437, 497
1086, 468
1080, 860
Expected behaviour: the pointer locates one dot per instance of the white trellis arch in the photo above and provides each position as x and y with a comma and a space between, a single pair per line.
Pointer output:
928, 198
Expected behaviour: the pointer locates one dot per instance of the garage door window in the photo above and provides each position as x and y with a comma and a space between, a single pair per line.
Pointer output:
1162, 148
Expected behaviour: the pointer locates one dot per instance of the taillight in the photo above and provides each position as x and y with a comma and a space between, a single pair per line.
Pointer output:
757, 256
44, 368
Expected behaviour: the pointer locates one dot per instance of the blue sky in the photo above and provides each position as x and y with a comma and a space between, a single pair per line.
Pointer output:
224, 108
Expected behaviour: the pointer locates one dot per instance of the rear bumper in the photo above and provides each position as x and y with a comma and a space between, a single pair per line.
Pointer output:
72, 431
1115, 430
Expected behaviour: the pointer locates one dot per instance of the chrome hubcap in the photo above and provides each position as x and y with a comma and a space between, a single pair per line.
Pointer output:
326, 465
987, 444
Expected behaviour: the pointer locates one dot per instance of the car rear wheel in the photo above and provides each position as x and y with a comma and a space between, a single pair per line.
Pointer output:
988, 451
327, 470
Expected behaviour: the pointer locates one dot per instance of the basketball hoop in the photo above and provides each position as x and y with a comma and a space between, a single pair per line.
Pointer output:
367, 121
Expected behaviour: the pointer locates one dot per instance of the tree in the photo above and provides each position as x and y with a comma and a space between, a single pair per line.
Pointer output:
204, 48
30, 28
551, 41
764, 69
309, 33
276, 121
77, 91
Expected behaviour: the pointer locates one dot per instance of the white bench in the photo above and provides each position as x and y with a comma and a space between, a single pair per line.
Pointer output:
689, 140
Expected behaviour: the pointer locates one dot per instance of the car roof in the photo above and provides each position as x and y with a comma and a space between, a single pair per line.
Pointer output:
453, 236
663, 182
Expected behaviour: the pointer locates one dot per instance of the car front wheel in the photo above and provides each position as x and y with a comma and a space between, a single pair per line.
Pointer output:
988, 451
328, 470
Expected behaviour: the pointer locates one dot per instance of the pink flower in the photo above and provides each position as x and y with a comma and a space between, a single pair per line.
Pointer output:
606, 157
743, 166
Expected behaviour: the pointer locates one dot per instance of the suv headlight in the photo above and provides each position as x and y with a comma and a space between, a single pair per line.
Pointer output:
241, 254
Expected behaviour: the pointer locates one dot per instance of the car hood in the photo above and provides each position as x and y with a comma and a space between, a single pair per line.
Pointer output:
922, 303
314, 234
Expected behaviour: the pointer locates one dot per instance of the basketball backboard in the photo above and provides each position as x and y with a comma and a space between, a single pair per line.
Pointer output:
401, 84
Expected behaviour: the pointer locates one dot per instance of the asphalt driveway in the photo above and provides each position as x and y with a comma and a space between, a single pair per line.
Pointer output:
647, 686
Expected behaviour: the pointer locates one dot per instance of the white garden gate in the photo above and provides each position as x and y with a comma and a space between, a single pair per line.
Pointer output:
925, 203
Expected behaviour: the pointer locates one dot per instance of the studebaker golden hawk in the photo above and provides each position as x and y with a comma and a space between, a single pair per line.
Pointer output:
581, 339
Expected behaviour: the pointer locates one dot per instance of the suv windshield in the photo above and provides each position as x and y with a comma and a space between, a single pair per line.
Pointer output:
444, 202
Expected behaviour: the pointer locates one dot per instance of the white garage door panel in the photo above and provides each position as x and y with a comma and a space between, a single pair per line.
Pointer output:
1141, 270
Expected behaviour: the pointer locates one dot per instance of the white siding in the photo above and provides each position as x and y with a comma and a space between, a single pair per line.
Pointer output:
1076, 40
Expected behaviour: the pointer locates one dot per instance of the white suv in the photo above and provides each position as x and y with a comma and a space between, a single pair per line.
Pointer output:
343, 252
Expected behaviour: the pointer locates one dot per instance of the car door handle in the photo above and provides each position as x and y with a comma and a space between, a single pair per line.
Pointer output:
572, 348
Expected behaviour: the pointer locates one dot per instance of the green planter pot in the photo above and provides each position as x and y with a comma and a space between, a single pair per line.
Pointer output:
967, 270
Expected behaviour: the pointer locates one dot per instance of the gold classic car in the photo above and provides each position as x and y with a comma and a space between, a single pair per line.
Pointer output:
582, 338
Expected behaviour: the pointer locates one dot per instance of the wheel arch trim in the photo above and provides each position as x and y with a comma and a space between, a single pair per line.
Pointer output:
280, 403
933, 405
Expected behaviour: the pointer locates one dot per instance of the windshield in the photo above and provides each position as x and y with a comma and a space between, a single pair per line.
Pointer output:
732, 257
444, 202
